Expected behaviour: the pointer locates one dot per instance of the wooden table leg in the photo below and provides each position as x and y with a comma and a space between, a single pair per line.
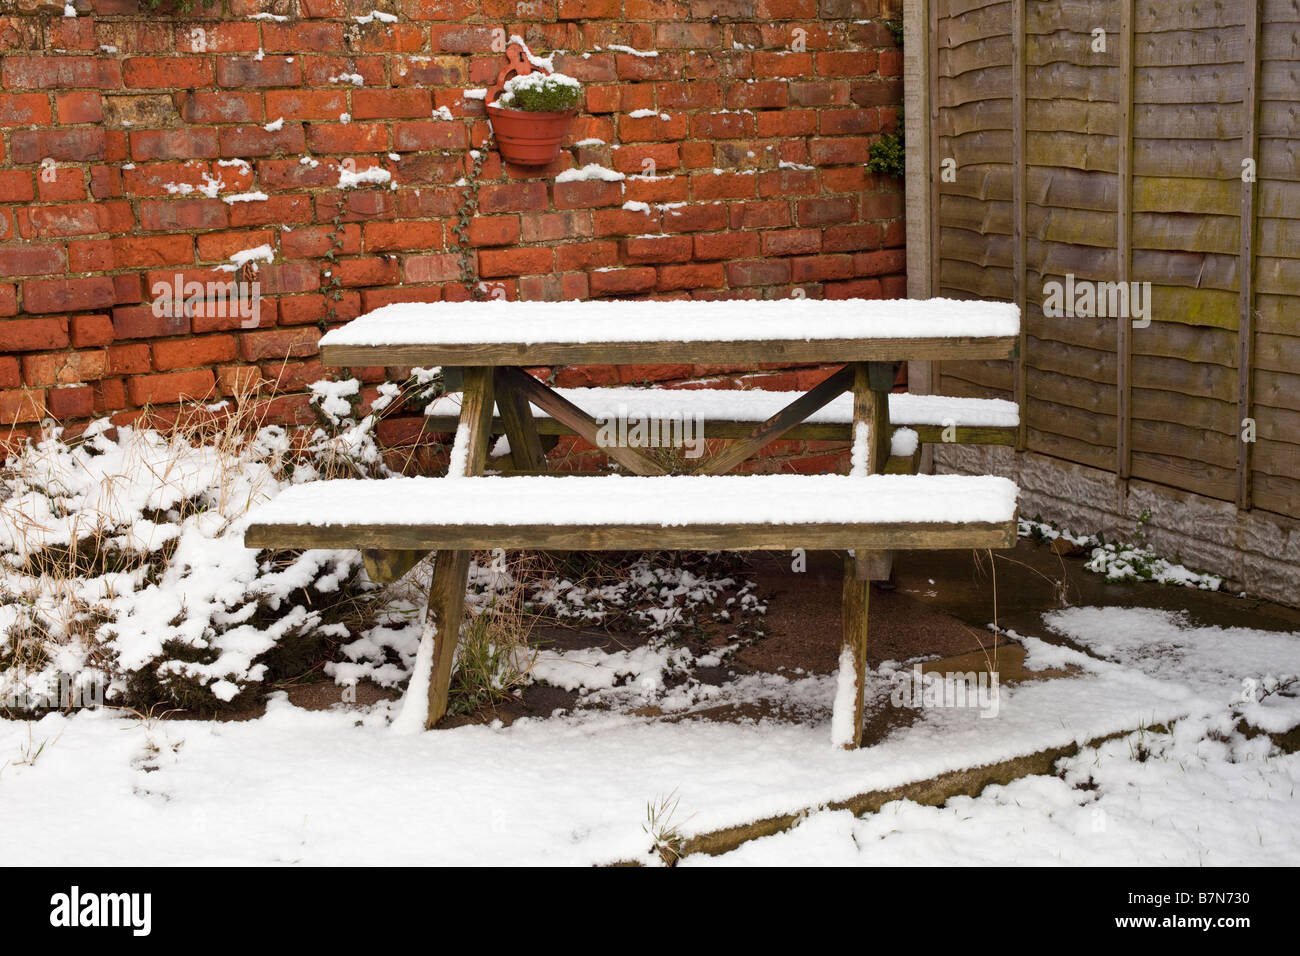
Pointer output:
446, 607
853, 653
871, 437
521, 430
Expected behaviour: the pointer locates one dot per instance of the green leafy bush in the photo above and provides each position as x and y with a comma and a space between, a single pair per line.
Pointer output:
541, 93
887, 155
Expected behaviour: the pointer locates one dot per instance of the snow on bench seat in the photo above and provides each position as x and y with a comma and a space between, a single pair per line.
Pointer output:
632, 512
755, 405
613, 332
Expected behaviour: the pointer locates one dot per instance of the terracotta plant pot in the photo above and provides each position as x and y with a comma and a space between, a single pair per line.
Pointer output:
529, 139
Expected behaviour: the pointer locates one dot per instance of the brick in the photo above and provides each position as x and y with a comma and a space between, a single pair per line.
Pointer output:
368, 270
299, 37
582, 256
167, 72
279, 344
183, 214
588, 194
712, 185
70, 145
758, 272
243, 71
854, 289
219, 246
29, 335
429, 135
826, 211
193, 352
878, 263
640, 279
649, 129
821, 268
316, 241
727, 245
845, 149
848, 122
306, 104
22, 405
275, 210
68, 295
226, 106
846, 63
91, 331
697, 217
347, 137
792, 242
547, 226
142, 252
512, 197
170, 387
25, 109
494, 231
242, 141
16, 186
61, 72
128, 360
391, 104
10, 376
788, 182
31, 260
515, 262
68, 185
64, 368
657, 249
76, 401
694, 276
850, 238
174, 144
146, 322
431, 268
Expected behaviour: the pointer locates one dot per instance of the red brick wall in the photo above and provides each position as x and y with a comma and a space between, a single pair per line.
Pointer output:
90, 135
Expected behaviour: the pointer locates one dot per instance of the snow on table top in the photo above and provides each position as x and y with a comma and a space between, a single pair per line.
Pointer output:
741, 320
756, 405
655, 501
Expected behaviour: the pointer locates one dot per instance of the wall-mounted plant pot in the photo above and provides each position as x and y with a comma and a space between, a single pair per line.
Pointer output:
529, 139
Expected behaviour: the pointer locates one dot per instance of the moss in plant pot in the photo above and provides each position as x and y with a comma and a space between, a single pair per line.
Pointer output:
540, 93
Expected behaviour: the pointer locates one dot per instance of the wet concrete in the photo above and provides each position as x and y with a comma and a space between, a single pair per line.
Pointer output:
1032, 578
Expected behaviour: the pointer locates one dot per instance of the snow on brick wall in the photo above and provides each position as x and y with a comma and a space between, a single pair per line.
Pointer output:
142, 148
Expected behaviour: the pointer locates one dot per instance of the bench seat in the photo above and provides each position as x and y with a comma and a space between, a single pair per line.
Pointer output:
724, 512
732, 413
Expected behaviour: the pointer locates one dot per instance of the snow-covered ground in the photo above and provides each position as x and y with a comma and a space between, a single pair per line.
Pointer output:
342, 787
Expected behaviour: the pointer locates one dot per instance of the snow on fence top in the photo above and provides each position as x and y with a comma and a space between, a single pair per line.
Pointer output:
738, 320
756, 405
658, 501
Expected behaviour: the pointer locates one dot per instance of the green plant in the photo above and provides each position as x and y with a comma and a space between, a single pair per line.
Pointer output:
896, 28
493, 658
464, 215
887, 154
541, 93
331, 282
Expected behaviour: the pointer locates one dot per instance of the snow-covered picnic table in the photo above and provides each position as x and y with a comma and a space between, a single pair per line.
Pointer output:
488, 345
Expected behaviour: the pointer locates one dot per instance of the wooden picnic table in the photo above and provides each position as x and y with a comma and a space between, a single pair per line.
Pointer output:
490, 344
